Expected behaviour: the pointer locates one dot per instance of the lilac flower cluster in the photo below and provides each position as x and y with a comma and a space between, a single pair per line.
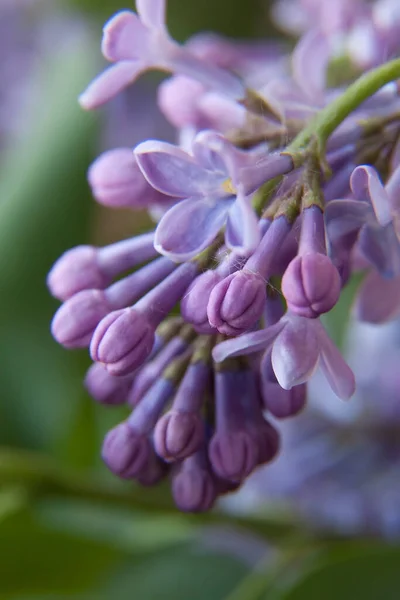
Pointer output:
256, 238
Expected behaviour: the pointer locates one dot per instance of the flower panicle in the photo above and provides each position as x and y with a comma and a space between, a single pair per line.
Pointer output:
259, 226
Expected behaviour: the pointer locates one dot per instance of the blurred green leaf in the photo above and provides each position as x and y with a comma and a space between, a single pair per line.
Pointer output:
180, 573
370, 572
129, 529
35, 559
230, 17
337, 320
44, 209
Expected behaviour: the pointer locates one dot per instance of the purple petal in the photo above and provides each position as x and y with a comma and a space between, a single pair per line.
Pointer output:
339, 375
381, 247
378, 299
174, 172
251, 177
152, 12
247, 343
242, 233
189, 227
208, 74
365, 184
345, 216
295, 352
109, 83
124, 37
310, 60
393, 187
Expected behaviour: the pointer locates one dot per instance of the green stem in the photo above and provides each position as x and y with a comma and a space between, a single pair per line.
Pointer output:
330, 117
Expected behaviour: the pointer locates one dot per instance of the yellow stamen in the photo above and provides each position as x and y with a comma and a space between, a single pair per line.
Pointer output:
228, 187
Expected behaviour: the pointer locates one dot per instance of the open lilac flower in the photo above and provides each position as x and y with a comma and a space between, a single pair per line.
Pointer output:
215, 184
370, 217
298, 346
139, 42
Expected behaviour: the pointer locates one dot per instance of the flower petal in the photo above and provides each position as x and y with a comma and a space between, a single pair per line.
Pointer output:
152, 12
174, 172
242, 234
381, 247
393, 186
189, 227
248, 343
124, 37
295, 352
338, 373
378, 299
309, 61
109, 83
345, 216
366, 185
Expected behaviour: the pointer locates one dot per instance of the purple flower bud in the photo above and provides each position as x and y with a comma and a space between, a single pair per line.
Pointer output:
153, 472
268, 442
122, 341
87, 267
105, 388
76, 270
194, 487
194, 303
117, 181
279, 402
178, 99
262, 432
233, 453
74, 322
237, 302
178, 434
311, 285
125, 451
153, 369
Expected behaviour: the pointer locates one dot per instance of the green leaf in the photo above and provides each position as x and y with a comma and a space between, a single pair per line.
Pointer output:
36, 560
181, 573
131, 530
370, 572
230, 17
45, 208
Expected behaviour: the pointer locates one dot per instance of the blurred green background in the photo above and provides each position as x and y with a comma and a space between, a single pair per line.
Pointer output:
68, 529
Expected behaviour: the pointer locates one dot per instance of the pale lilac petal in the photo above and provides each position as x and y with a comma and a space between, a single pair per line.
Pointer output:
309, 61
338, 373
242, 234
124, 37
345, 216
381, 247
365, 184
189, 227
295, 353
393, 186
248, 343
152, 12
251, 177
174, 172
378, 299
208, 74
109, 83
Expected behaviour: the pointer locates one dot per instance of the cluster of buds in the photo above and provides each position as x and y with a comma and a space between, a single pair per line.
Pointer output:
260, 226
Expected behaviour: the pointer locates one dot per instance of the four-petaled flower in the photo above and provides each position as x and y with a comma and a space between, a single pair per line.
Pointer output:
215, 184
